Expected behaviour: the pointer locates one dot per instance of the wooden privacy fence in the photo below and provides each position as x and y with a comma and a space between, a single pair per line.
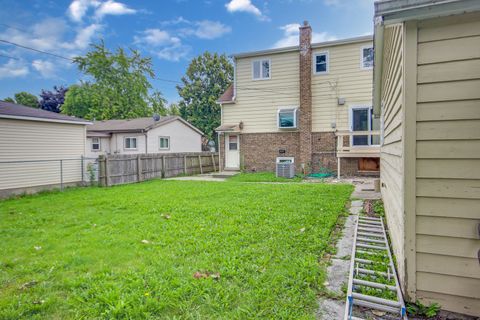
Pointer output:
126, 168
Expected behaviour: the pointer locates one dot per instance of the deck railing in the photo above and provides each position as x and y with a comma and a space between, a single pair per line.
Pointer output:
346, 146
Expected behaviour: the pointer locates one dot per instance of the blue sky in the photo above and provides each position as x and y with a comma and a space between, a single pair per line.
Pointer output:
170, 31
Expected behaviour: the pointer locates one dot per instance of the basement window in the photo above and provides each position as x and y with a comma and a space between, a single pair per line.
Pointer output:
287, 118
130, 143
261, 69
320, 63
367, 58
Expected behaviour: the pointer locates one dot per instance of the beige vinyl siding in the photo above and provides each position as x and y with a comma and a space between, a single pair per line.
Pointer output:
38, 140
345, 79
257, 101
392, 160
448, 162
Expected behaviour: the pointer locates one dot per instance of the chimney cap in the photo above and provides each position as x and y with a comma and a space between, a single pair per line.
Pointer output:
305, 23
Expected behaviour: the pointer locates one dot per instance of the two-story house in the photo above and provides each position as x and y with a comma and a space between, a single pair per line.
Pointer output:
309, 104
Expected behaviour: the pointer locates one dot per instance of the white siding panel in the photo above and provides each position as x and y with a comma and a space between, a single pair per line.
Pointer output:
35, 140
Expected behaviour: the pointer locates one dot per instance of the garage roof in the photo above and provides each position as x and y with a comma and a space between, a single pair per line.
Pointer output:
10, 110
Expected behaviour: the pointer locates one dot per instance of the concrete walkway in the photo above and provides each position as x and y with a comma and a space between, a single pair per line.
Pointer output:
337, 273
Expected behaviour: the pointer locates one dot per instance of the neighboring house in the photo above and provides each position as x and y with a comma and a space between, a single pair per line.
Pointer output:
32, 141
427, 90
309, 104
143, 135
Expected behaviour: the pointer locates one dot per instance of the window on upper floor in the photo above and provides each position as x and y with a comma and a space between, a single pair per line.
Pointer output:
261, 69
367, 58
130, 143
320, 63
287, 118
164, 143
95, 144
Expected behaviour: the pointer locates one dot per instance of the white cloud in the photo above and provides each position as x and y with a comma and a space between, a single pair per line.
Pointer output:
45, 68
113, 8
154, 37
243, 6
79, 8
174, 53
207, 29
13, 69
162, 44
291, 34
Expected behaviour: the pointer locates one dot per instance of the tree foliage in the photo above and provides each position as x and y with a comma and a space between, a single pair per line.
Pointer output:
207, 77
118, 89
24, 98
52, 100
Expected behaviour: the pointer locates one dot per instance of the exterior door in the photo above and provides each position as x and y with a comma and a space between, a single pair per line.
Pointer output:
232, 154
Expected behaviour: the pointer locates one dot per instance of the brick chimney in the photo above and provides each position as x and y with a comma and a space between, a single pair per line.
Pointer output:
305, 114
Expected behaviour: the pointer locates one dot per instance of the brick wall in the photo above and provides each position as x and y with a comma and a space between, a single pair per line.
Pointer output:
259, 151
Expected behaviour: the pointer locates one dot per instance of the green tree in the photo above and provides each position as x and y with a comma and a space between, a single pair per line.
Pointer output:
25, 99
173, 109
158, 103
119, 88
207, 77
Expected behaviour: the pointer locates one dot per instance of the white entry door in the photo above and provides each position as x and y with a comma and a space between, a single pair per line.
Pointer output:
232, 154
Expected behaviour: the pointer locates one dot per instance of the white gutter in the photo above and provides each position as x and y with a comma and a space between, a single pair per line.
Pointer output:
5, 116
378, 66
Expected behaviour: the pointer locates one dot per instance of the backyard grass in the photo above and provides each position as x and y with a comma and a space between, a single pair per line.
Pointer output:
167, 249
261, 177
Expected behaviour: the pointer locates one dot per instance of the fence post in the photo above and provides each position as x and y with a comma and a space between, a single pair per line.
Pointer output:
83, 173
61, 175
200, 163
185, 164
107, 182
164, 171
139, 168
213, 162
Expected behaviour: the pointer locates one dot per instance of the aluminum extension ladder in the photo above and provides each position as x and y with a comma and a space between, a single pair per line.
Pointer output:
371, 239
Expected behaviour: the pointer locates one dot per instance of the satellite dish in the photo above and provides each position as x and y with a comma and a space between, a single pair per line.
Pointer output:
156, 117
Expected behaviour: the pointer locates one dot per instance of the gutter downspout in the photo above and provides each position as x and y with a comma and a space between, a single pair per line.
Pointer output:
220, 169
146, 141
378, 66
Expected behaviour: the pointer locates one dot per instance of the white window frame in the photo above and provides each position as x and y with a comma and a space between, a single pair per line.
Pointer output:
261, 69
159, 142
292, 159
284, 109
327, 61
361, 57
125, 143
99, 144
350, 124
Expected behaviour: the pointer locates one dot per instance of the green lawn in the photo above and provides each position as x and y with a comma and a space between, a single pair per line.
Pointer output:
81, 254
261, 177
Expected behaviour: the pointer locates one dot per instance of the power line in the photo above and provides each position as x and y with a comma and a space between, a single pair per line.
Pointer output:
36, 50
9, 57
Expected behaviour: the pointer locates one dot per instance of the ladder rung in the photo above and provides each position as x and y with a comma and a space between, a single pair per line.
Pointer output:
378, 223
370, 240
377, 300
370, 218
370, 230
372, 272
373, 305
374, 284
366, 234
368, 246
363, 225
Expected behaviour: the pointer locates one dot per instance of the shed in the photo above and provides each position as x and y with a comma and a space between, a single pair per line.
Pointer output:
33, 141
427, 91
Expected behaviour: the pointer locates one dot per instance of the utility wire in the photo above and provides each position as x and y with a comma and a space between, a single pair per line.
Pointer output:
12, 27
9, 57
36, 50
